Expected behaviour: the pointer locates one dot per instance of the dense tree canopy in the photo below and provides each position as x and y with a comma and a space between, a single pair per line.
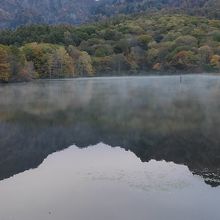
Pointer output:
131, 44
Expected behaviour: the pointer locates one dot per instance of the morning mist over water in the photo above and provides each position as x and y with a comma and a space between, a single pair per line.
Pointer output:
138, 143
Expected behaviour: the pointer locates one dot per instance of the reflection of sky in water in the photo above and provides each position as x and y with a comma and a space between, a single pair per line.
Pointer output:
154, 117
104, 183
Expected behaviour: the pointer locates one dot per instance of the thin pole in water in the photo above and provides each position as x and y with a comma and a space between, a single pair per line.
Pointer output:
180, 78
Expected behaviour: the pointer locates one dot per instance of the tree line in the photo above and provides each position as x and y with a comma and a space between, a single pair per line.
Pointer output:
121, 45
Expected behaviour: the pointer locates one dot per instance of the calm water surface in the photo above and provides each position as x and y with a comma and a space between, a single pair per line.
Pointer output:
141, 148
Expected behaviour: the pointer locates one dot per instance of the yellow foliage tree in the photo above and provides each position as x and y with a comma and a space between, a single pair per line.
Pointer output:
60, 64
215, 61
4, 65
84, 64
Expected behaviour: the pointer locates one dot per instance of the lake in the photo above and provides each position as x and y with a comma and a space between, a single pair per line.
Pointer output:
111, 148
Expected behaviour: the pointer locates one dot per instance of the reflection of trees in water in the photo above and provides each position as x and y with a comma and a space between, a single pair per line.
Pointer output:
174, 123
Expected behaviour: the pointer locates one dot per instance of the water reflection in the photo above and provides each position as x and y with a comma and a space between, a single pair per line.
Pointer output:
154, 117
101, 182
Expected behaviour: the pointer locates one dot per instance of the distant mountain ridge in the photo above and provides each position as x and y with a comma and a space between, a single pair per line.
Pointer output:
208, 8
15, 13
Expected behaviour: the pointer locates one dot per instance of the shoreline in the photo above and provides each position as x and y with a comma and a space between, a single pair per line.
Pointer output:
111, 76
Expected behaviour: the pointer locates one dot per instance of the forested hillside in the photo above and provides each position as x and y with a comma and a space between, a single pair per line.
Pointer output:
131, 45
14, 13
207, 8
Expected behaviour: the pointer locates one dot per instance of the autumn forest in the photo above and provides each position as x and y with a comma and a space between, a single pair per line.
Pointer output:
125, 44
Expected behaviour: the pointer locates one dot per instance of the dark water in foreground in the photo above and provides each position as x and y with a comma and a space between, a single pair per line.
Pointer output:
167, 166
